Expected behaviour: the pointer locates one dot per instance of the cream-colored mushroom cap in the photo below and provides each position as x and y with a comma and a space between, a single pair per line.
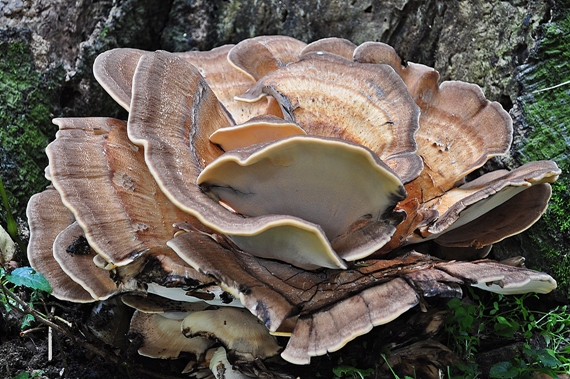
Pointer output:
501, 278
328, 182
221, 366
466, 203
237, 329
259, 129
162, 337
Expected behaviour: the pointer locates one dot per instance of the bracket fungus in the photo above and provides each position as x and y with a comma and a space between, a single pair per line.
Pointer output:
296, 181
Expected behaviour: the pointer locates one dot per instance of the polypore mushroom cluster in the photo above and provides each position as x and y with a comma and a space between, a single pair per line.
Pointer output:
300, 182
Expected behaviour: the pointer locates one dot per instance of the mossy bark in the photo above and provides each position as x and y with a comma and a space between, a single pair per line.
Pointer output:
28, 100
542, 131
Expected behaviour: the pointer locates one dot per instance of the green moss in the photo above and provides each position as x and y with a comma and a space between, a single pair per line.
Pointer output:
546, 109
26, 96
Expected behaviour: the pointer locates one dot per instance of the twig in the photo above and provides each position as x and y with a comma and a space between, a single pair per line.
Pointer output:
50, 344
549, 88
50, 338
69, 324
27, 331
26, 309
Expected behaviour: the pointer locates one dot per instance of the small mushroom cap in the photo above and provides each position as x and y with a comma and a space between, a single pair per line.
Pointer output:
334, 45
470, 201
500, 278
236, 328
259, 129
512, 217
258, 56
47, 217
79, 266
330, 96
114, 70
162, 337
222, 368
328, 182
329, 330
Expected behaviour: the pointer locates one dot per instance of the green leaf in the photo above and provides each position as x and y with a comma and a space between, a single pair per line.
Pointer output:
454, 303
27, 321
504, 321
340, 371
547, 358
503, 370
27, 277
505, 328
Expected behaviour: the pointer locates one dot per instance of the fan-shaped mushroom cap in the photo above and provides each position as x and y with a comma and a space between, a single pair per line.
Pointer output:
258, 56
231, 273
103, 180
328, 95
236, 328
459, 129
78, 264
512, 217
328, 182
47, 217
114, 70
330, 330
162, 337
470, 201
338, 46
259, 129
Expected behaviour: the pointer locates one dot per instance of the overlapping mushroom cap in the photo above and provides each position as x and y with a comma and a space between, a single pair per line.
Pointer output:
268, 169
